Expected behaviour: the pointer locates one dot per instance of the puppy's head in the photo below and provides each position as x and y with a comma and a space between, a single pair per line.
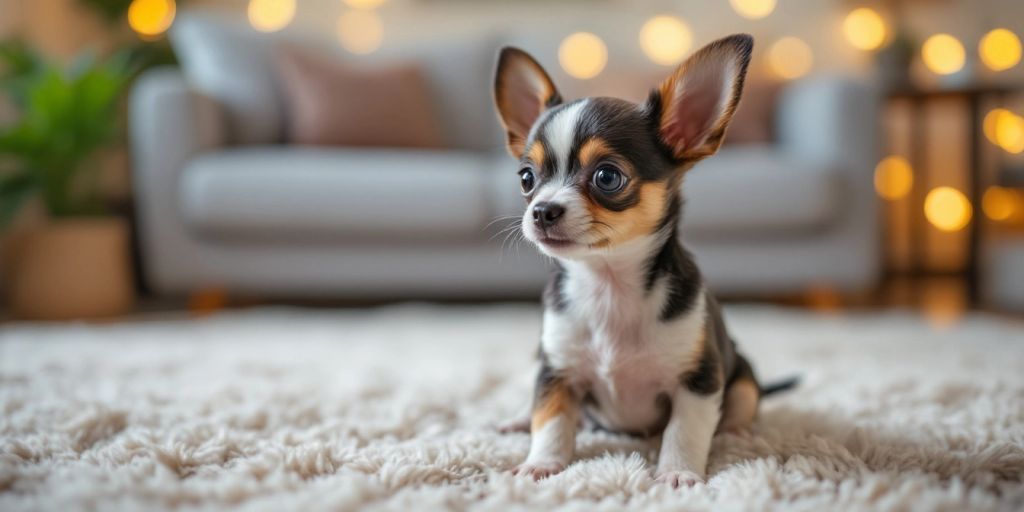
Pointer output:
598, 173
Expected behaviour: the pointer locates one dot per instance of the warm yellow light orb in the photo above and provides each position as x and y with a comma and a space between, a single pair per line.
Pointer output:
360, 31
1010, 133
271, 15
943, 54
753, 9
864, 29
1005, 129
364, 4
1000, 49
790, 58
583, 55
947, 209
665, 39
1000, 203
893, 177
991, 122
150, 18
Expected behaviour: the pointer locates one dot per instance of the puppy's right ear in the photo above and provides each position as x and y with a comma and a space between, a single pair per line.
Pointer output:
522, 90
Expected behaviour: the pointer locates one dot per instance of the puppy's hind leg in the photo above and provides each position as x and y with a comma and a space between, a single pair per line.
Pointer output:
740, 406
742, 395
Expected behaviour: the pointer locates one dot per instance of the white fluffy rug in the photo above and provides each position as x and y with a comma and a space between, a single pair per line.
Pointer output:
392, 408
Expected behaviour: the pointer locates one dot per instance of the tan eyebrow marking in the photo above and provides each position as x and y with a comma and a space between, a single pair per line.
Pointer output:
593, 149
536, 154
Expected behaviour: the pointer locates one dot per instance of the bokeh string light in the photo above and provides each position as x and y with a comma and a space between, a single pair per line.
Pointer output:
947, 209
665, 39
864, 29
790, 58
364, 4
753, 9
583, 55
360, 31
1004, 129
1000, 49
150, 18
894, 177
1000, 203
271, 15
943, 54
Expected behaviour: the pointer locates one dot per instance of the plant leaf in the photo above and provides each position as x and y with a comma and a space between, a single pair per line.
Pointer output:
19, 65
68, 117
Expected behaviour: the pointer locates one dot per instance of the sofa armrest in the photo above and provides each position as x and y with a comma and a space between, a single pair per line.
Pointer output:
169, 124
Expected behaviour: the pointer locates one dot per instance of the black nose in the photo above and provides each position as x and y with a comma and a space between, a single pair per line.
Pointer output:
546, 214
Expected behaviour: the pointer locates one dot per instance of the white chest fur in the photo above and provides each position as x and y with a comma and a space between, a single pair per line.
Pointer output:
609, 341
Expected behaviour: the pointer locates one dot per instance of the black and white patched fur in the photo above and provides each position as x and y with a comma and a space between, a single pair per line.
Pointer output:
632, 340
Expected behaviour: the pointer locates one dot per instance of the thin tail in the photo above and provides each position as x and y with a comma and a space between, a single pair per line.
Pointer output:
780, 386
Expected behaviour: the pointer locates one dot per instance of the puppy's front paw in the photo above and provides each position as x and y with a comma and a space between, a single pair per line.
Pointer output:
679, 479
538, 470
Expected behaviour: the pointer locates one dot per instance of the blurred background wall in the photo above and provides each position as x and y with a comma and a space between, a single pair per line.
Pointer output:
64, 27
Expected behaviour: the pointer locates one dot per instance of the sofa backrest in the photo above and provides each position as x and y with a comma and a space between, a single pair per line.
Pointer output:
233, 64
229, 61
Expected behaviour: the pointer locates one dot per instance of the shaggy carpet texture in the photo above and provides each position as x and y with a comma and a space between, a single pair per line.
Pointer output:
394, 408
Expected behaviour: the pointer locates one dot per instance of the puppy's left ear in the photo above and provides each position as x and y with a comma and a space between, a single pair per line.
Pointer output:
695, 104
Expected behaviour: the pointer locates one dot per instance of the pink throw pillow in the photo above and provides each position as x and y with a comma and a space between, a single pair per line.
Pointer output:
333, 103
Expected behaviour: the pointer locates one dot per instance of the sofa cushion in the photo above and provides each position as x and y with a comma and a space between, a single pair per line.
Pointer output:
388, 194
354, 193
752, 189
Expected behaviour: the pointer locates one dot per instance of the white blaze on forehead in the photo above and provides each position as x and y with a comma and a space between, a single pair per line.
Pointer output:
554, 191
559, 132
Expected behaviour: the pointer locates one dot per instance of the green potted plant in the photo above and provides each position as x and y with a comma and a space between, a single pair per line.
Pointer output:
75, 262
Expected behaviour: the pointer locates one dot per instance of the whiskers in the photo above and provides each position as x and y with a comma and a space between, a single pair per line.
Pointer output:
512, 234
500, 218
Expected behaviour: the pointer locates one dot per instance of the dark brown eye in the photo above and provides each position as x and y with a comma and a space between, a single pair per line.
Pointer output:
526, 180
609, 179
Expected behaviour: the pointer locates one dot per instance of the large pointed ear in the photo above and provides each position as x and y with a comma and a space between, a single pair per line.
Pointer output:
522, 90
694, 104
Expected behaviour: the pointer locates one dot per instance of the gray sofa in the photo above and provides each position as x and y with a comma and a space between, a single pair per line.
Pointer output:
222, 203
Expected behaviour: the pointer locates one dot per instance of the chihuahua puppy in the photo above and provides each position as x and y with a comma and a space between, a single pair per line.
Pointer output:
631, 339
